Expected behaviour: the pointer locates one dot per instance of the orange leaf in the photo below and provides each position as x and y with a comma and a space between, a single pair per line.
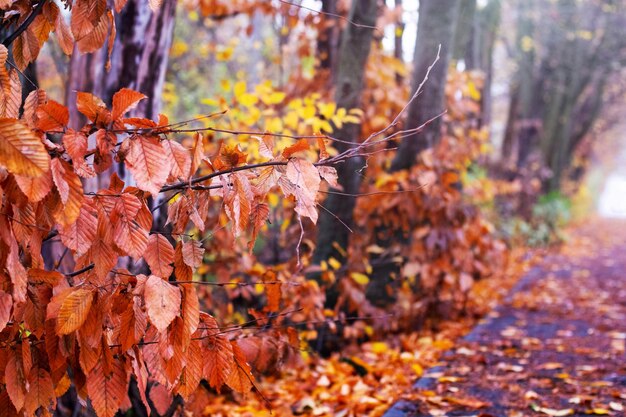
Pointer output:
159, 255
6, 303
15, 380
21, 151
107, 389
146, 162
92, 107
192, 373
193, 253
272, 291
75, 144
35, 188
133, 324
180, 157
52, 116
155, 4
124, 101
162, 302
73, 311
128, 235
70, 189
219, 361
258, 217
191, 309
40, 392
301, 145
241, 378
80, 235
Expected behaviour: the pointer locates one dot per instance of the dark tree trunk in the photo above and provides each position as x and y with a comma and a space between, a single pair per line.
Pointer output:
328, 38
139, 59
436, 23
353, 54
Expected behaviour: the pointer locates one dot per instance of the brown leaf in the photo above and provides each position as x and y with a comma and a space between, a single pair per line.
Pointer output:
306, 183
128, 235
21, 151
145, 160
180, 157
159, 255
124, 101
193, 253
74, 310
162, 302
40, 392
52, 116
6, 303
70, 189
301, 145
35, 188
107, 389
241, 378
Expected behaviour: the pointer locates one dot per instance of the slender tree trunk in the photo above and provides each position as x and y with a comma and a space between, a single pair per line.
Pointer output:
327, 40
353, 54
436, 23
464, 38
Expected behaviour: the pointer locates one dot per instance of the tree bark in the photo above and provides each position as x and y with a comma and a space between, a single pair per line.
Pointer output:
139, 59
435, 27
353, 54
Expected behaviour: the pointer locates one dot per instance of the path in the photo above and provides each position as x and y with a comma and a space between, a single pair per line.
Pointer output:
556, 346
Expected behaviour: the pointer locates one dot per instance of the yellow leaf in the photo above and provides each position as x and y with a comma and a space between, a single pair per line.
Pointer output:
239, 89
379, 347
360, 278
335, 264
417, 368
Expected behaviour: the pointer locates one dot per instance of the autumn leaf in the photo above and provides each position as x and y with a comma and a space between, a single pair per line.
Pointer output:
159, 255
15, 380
70, 189
107, 389
219, 359
79, 236
74, 310
52, 116
40, 392
133, 324
6, 303
240, 378
92, 107
192, 253
299, 146
21, 151
128, 235
35, 188
124, 101
162, 302
192, 372
306, 183
145, 160
180, 157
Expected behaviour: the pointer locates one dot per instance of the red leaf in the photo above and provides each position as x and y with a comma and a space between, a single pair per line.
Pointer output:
162, 302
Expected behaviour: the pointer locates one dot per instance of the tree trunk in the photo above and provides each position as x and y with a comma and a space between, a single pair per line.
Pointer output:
435, 27
139, 59
328, 37
464, 38
353, 54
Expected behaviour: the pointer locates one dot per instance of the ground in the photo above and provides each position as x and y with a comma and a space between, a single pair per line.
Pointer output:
555, 346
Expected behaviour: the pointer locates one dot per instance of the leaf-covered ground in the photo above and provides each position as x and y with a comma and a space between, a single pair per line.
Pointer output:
366, 379
555, 347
